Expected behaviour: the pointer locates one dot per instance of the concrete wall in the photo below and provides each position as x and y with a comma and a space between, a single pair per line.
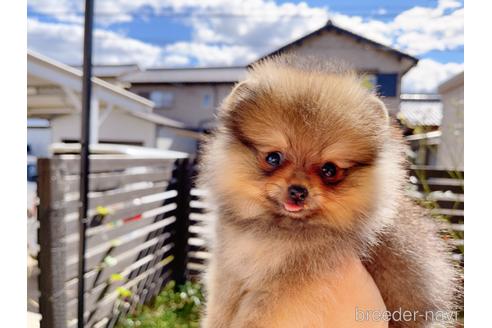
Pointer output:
451, 149
117, 127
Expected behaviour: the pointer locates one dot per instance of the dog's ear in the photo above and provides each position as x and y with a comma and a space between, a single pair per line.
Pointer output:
378, 106
242, 91
236, 107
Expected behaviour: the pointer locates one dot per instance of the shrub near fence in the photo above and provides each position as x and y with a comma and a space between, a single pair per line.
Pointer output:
136, 239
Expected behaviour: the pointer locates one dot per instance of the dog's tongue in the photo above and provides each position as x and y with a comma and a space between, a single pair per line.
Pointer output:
292, 207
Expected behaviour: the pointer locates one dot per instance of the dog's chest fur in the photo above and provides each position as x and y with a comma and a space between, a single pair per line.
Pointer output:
251, 259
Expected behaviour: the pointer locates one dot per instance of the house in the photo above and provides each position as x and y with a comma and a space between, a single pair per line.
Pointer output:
450, 153
422, 111
191, 95
382, 66
118, 115
420, 116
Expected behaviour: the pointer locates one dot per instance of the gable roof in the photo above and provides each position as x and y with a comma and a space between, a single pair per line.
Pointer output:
330, 27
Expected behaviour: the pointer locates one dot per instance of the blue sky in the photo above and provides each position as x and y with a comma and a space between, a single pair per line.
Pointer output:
174, 33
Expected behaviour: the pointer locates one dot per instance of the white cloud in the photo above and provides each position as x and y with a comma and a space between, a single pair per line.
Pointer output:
64, 43
428, 74
247, 30
211, 55
263, 24
378, 31
232, 40
419, 30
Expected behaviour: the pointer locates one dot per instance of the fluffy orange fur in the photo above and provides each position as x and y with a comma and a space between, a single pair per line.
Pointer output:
312, 114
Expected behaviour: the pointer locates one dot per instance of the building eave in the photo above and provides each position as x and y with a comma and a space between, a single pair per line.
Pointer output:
69, 77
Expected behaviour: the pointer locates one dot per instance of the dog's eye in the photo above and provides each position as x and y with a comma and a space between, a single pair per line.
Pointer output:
329, 170
274, 158
331, 173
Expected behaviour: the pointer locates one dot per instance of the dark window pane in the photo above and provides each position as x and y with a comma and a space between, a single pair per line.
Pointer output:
387, 84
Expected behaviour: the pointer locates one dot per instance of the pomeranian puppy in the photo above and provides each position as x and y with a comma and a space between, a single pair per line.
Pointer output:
305, 171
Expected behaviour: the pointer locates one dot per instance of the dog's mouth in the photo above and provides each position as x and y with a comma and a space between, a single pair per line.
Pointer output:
293, 207
286, 208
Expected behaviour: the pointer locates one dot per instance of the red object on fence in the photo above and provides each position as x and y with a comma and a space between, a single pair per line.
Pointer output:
133, 218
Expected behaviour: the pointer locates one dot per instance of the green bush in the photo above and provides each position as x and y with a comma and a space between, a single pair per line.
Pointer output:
173, 308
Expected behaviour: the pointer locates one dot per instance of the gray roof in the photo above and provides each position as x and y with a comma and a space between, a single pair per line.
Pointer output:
415, 113
330, 27
187, 75
112, 70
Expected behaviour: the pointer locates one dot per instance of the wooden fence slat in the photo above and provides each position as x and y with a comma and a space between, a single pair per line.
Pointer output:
457, 189
52, 250
136, 240
435, 172
125, 268
102, 312
107, 302
98, 235
454, 215
94, 260
114, 180
114, 196
123, 210
94, 294
69, 164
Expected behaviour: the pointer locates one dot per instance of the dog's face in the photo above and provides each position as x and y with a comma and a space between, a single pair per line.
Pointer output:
299, 147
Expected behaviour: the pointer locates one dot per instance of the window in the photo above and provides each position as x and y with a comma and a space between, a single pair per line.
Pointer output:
162, 99
207, 100
387, 84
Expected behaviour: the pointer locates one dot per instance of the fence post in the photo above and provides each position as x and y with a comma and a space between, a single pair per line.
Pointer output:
52, 301
181, 233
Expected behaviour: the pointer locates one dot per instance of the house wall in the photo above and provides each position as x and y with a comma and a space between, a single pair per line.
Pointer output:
360, 56
117, 127
450, 153
187, 106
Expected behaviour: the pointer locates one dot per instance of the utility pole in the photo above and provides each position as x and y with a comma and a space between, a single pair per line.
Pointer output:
84, 154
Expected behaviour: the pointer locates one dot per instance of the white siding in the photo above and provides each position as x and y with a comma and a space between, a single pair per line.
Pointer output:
451, 149
118, 127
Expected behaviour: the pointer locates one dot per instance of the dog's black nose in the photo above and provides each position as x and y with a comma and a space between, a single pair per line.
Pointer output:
297, 193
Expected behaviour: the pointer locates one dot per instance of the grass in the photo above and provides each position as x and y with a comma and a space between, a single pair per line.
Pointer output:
175, 307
